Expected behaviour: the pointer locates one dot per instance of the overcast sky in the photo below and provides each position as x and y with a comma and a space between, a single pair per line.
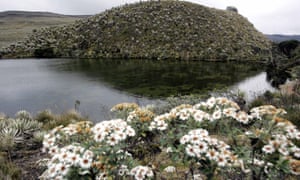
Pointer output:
268, 16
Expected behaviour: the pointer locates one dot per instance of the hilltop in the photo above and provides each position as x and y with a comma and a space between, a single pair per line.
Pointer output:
152, 30
16, 25
28, 14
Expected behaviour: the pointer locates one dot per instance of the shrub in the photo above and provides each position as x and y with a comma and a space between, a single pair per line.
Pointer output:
210, 139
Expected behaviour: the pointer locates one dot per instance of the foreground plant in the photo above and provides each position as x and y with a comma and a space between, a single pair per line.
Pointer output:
18, 131
208, 139
82, 150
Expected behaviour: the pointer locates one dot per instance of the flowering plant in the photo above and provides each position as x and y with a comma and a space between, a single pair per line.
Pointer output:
209, 138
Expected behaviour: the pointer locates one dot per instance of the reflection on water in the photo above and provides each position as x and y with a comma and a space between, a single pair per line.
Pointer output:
158, 79
32, 85
254, 86
56, 84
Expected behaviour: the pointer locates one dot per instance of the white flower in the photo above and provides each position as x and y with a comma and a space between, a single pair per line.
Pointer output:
222, 100
212, 154
159, 124
141, 172
53, 150
85, 163
52, 170
201, 132
221, 160
211, 102
212, 141
217, 115
184, 139
199, 115
88, 154
183, 114
62, 169
230, 112
49, 141
130, 131
99, 137
170, 169
268, 149
74, 158
202, 147
284, 151
296, 151
64, 156
222, 145
195, 139
190, 150
70, 129
112, 140
242, 117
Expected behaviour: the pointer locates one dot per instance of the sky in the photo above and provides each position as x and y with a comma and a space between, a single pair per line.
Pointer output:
268, 16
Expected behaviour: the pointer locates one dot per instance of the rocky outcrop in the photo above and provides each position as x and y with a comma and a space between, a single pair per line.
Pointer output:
152, 30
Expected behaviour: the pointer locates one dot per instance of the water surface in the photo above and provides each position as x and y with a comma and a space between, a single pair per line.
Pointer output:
56, 84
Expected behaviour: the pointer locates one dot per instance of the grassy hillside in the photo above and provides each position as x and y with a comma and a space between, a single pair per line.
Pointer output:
16, 25
152, 30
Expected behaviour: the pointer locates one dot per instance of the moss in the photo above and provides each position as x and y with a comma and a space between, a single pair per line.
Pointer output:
152, 30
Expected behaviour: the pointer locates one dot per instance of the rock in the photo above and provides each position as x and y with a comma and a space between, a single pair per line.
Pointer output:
232, 8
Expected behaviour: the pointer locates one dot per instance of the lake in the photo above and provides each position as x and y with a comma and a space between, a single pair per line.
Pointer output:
56, 84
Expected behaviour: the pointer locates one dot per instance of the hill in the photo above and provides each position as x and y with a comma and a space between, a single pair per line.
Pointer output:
152, 30
280, 37
29, 14
16, 25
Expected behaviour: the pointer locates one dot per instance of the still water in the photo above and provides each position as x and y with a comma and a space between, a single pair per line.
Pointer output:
56, 84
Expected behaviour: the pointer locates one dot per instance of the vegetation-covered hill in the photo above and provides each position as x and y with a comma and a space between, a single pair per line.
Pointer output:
16, 25
280, 37
152, 30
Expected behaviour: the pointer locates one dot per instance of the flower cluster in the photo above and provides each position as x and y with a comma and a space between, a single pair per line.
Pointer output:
82, 147
223, 107
277, 135
60, 133
159, 122
220, 101
212, 110
261, 141
141, 114
259, 112
112, 131
281, 141
124, 107
141, 172
63, 159
200, 145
